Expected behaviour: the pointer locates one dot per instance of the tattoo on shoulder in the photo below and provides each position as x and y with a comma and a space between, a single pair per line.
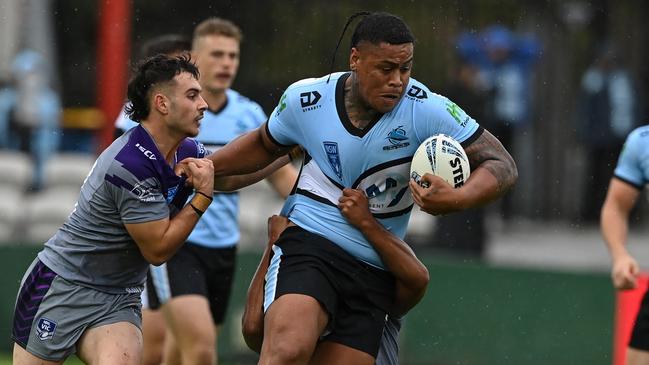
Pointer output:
487, 152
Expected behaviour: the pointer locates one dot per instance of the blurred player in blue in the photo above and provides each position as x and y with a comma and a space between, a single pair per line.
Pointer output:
629, 178
194, 286
323, 269
82, 293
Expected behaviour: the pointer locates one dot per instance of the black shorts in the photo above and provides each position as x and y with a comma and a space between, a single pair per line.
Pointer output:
198, 270
357, 296
640, 334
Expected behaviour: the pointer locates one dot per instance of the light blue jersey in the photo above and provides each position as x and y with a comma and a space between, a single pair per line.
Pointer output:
219, 226
633, 164
376, 159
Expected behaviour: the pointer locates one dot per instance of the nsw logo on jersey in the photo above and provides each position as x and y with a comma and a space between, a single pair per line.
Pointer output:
416, 93
309, 100
397, 138
45, 328
331, 148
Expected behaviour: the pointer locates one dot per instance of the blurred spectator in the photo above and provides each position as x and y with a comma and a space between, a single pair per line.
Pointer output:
30, 112
504, 61
464, 232
607, 112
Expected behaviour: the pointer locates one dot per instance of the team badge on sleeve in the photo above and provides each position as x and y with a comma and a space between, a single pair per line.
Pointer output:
45, 329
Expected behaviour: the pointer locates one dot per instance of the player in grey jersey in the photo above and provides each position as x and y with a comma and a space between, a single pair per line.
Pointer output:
82, 293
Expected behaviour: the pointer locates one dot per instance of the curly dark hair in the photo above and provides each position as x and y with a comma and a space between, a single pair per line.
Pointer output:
382, 27
152, 72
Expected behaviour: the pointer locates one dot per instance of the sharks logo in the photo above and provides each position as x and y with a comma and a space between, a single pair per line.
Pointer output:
397, 138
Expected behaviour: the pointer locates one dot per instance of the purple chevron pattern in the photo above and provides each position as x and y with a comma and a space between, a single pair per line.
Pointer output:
29, 299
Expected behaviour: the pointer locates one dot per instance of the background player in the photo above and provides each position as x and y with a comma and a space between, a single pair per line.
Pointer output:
629, 178
194, 286
342, 121
82, 293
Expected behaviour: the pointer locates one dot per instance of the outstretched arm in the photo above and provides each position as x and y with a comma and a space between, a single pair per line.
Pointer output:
410, 274
620, 199
493, 172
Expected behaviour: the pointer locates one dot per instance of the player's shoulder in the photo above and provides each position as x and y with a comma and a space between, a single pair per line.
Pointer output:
314, 83
640, 134
190, 147
420, 95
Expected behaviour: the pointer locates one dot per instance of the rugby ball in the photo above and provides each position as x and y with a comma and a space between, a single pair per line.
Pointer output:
442, 156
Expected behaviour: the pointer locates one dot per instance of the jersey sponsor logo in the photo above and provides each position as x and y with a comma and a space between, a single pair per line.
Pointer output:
133, 290
309, 100
171, 193
282, 105
45, 328
150, 155
397, 138
331, 148
457, 113
417, 93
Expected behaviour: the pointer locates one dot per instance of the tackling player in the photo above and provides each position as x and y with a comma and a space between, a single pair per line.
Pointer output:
82, 293
629, 178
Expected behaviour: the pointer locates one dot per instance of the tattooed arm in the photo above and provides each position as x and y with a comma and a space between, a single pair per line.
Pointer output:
493, 172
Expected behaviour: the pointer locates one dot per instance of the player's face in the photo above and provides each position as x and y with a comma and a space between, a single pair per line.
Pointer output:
382, 73
217, 58
186, 105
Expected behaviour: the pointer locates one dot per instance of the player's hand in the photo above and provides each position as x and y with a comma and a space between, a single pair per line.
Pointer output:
276, 225
624, 273
354, 206
199, 172
439, 197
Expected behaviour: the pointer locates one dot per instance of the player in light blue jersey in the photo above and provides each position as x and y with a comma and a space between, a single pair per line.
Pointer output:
359, 130
629, 179
194, 286
82, 293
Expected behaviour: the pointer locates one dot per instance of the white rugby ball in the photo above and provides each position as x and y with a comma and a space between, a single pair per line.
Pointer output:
442, 156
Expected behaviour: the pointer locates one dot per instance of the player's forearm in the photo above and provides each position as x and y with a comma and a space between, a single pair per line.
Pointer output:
614, 227
244, 155
411, 274
236, 182
252, 322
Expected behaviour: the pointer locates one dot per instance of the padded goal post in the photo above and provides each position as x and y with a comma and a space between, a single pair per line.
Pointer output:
627, 304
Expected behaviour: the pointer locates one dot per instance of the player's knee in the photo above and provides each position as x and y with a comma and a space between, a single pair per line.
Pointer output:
201, 353
290, 352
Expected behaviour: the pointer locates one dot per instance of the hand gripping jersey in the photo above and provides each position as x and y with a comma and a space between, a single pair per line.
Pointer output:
633, 164
129, 183
376, 159
219, 226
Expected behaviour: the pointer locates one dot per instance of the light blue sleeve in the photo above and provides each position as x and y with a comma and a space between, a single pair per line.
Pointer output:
438, 115
282, 124
630, 165
258, 114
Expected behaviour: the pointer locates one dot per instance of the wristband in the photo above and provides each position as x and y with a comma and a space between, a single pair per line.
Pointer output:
198, 211
200, 201
205, 195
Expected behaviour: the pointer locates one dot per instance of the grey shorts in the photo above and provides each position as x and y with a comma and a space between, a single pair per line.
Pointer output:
52, 313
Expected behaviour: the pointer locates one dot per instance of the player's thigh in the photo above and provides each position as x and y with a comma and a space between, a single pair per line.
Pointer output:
637, 357
115, 343
153, 333
22, 357
189, 319
334, 353
295, 318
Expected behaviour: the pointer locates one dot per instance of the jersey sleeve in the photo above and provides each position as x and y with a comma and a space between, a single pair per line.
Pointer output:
282, 126
138, 200
629, 165
441, 115
258, 115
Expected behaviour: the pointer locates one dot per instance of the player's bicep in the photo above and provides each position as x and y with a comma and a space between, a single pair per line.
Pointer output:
621, 196
487, 148
148, 235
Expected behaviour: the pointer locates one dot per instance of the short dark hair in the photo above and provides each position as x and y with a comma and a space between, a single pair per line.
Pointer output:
165, 44
382, 27
150, 73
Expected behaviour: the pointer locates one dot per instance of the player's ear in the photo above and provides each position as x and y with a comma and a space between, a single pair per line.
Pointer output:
161, 103
353, 59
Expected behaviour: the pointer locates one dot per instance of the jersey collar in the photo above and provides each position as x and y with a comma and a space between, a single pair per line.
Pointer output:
342, 112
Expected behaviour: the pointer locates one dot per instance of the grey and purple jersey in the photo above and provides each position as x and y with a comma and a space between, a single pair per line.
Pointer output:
130, 182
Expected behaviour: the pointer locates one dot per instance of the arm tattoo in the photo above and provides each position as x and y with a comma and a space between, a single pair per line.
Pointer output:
489, 153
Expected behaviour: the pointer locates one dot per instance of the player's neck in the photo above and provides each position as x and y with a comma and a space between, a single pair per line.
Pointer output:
359, 113
166, 141
214, 99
